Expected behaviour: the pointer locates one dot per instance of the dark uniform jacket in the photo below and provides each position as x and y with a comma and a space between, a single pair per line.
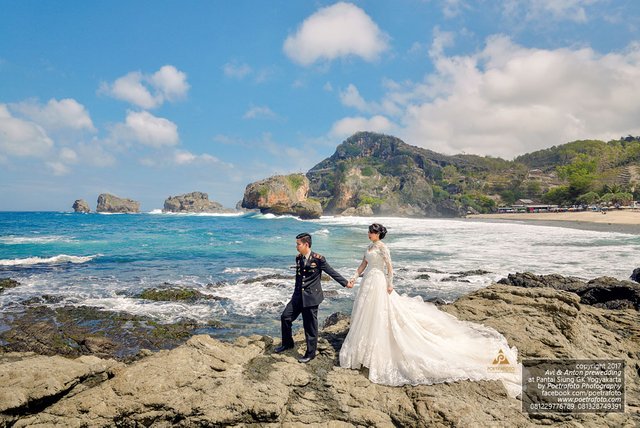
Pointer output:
308, 278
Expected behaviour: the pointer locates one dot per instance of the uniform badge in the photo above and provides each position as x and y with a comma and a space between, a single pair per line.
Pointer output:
313, 265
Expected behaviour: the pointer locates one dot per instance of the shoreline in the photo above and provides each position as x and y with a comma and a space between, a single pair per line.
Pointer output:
614, 221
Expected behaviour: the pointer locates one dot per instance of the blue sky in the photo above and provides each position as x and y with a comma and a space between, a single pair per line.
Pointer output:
147, 99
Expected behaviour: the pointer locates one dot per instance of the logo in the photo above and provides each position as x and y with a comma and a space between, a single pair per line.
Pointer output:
501, 364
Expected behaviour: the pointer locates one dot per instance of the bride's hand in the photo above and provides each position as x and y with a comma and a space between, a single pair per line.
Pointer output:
389, 290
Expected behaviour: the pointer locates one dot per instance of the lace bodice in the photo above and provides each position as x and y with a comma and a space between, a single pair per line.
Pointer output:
378, 257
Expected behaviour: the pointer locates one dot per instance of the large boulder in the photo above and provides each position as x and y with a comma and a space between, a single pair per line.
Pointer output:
194, 202
604, 292
364, 210
635, 276
81, 206
6, 283
108, 203
208, 382
282, 194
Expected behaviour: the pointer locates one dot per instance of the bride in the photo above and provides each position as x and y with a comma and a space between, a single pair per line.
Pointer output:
404, 340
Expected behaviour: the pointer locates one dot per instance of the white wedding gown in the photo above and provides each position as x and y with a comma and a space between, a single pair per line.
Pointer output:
405, 340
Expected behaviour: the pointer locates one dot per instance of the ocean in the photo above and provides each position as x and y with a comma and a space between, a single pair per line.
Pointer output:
246, 261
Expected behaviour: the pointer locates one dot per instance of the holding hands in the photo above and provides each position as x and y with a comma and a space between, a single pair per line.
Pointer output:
351, 283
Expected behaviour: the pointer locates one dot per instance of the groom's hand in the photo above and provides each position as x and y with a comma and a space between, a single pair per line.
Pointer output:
350, 283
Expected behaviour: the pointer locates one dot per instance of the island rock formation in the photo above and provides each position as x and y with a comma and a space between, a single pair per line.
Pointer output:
81, 206
194, 202
374, 174
108, 203
208, 382
282, 194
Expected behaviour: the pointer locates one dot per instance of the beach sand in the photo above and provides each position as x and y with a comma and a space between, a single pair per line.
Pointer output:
624, 221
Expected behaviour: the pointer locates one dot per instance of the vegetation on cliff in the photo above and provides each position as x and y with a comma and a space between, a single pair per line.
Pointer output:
395, 178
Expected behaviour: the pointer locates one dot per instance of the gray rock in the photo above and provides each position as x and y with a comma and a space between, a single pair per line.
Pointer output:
635, 276
6, 283
81, 206
360, 211
108, 203
74, 331
194, 202
207, 382
605, 292
282, 195
308, 209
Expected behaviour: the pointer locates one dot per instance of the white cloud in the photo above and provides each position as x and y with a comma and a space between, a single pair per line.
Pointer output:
236, 70
453, 8
336, 31
147, 129
260, 112
508, 99
559, 10
55, 115
20, 137
183, 157
57, 168
170, 82
351, 97
298, 83
95, 153
441, 40
350, 125
328, 87
68, 155
130, 88
149, 90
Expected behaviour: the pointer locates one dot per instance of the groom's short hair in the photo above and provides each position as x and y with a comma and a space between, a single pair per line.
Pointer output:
305, 237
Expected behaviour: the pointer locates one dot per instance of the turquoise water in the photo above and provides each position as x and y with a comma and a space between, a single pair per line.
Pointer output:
105, 260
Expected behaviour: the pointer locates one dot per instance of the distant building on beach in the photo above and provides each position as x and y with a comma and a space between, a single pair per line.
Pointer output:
527, 206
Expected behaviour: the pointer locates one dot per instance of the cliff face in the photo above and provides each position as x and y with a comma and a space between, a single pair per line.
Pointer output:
388, 175
282, 194
112, 204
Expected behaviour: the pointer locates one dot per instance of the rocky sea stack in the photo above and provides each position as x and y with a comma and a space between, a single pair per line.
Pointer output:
81, 206
282, 194
112, 204
194, 202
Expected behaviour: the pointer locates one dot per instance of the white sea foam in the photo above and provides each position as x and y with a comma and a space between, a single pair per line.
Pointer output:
321, 232
270, 216
501, 248
17, 240
166, 312
61, 258
160, 212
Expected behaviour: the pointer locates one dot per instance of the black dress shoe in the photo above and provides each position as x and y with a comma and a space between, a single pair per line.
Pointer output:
306, 358
282, 348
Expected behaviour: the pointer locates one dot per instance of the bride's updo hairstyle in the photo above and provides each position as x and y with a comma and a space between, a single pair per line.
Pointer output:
379, 229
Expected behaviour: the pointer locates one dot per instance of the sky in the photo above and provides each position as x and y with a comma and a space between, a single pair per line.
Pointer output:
149, 99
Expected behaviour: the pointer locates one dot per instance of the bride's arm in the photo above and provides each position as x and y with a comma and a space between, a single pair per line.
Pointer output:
360, 269
387, 261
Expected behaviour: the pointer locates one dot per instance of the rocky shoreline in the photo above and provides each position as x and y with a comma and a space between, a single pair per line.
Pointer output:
208, 382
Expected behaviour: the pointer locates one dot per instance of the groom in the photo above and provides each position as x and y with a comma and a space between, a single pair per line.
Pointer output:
306, 296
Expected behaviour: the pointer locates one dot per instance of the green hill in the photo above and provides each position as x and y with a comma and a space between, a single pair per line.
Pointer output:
383, 174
